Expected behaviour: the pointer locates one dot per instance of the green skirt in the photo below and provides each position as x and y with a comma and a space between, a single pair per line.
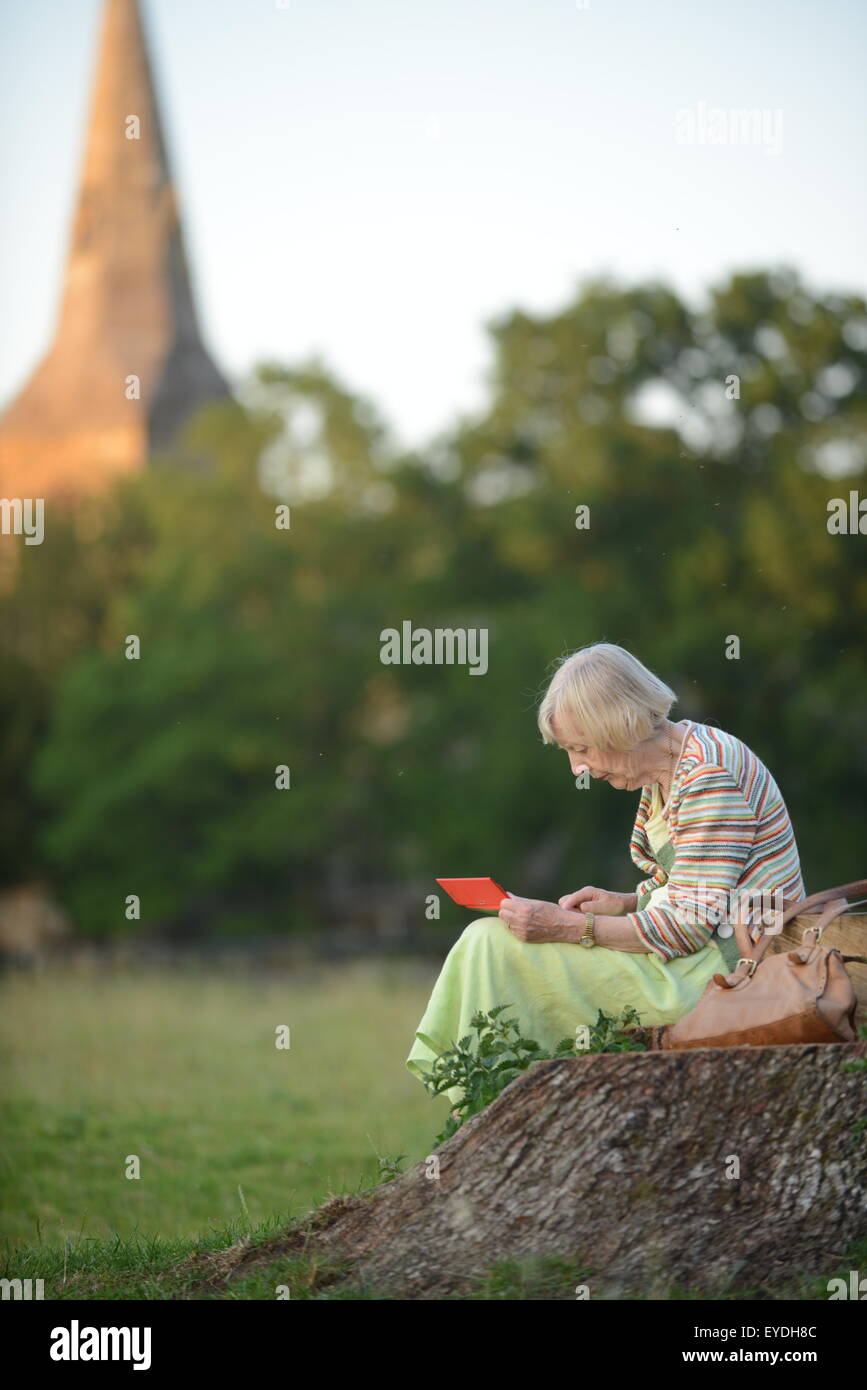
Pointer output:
553, 987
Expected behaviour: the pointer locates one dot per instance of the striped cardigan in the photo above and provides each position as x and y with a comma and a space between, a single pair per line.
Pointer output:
731, 833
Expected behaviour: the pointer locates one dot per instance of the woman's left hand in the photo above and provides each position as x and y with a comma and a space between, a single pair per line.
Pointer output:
532, 920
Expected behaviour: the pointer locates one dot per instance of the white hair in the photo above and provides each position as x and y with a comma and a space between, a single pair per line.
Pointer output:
603, 696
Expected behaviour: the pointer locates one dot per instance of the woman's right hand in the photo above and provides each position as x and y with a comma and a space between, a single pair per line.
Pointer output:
599, 900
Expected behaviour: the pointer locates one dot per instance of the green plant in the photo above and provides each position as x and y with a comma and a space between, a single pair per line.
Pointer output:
610, 1034
390, 1168
481, 1069
860, 1064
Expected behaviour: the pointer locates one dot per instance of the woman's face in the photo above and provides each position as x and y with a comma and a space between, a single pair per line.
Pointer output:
603, 764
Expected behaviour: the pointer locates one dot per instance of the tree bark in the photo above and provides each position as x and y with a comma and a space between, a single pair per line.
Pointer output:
703, 1171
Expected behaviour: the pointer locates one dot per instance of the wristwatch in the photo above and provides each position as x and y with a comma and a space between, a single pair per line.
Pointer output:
588, 939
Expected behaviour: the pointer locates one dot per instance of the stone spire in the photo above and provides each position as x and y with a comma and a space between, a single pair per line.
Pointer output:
127, 309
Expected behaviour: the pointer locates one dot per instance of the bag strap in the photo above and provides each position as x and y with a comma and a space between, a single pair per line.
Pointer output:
835, 902
832, 911
793, 907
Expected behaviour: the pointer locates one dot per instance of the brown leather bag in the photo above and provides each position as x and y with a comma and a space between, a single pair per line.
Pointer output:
803, 996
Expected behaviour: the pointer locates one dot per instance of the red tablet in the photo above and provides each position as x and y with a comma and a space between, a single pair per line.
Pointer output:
481, 893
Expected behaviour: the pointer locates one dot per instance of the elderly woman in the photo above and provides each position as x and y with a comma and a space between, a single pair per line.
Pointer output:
711, 826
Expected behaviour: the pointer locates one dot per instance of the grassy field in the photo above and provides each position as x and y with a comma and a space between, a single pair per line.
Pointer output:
181, 1069
236, 1138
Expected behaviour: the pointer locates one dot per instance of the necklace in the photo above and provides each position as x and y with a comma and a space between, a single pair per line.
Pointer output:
665, 807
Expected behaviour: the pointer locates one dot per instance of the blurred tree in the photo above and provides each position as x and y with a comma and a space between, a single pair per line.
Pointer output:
705, 444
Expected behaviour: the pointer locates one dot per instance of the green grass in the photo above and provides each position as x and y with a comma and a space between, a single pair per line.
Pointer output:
181, 1069
134, 1270
237, 1140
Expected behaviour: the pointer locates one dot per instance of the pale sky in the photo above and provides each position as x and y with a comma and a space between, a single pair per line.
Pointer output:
373, 180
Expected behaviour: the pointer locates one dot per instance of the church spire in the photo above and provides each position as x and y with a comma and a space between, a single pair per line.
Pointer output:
127, 321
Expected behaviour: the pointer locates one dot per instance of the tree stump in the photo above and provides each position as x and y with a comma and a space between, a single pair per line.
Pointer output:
702, 1170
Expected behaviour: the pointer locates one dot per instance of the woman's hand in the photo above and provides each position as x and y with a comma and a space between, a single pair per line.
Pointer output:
599, 900
532, 920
